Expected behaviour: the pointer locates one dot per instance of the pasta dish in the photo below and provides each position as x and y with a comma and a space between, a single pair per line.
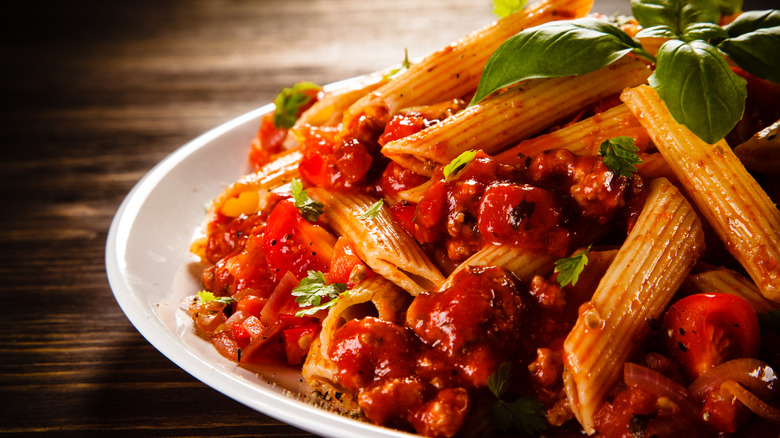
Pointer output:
562, 223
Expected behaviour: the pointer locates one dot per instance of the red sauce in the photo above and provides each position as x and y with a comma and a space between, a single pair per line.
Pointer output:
423, 374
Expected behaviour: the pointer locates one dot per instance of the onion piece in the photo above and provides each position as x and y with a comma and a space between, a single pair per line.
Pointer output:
754, 374
751, 401
654, 382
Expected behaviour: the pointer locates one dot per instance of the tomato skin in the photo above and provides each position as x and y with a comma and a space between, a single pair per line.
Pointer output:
400, 126
524, 215
297, 341
704, 330
290, 246
344, 262
396, 178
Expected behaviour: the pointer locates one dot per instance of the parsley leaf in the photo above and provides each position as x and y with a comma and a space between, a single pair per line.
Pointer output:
458, 163
209, 297
570, 268
312, 289
620, 155
404, 66
290, 101
504, 8
524, 415
309, 208
374, 210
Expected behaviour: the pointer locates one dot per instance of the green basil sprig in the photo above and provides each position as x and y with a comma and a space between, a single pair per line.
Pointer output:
692, 75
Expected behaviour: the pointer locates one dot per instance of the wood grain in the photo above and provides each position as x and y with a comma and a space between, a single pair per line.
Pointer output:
94, 94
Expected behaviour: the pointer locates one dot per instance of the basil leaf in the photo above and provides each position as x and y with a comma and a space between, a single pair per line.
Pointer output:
677, 14
699, 88
757, 52
753, 20
661, 31
560, 48
704, 31
728, 7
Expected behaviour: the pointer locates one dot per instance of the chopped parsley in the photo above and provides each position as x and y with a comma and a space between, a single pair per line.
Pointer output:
374, 210
620, 155
309, 208
458, 163
570, 268
290, 101
209, 297
312, 289
525, 415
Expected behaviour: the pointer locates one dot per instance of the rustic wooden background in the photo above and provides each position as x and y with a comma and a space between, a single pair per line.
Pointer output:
92, 95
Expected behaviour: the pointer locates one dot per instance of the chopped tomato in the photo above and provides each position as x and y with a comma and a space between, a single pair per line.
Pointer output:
524, 215
345, 260
400, 126
297, 341
403, 213
396, 178
295, 245
268, 142
251, 304
704, 330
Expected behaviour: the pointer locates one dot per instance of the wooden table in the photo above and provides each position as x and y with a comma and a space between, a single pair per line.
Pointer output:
94, 93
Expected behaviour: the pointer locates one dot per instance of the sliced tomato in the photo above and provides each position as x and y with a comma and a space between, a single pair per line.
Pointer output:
704, 330
345, 260
295, 245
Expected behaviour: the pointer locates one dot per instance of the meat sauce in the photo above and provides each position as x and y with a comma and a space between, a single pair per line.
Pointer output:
422, 374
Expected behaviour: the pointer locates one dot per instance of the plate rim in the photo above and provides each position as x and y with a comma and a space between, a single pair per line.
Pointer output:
282, 407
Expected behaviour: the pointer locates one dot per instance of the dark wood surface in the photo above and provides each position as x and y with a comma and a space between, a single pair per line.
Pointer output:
93, 94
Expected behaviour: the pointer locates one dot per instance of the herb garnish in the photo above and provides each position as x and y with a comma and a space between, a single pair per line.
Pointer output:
209, 297
458, 163
525, 415
505, 8
312, 289
374, 210
289, 102
570, 268
692, 76
309, 208
620, 155
404, 66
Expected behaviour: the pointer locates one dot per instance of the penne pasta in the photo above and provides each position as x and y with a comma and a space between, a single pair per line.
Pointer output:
585, 136
454, 71
523, 264
648, 269
384, 299
381, 243
729, 282
731, 200
508, 117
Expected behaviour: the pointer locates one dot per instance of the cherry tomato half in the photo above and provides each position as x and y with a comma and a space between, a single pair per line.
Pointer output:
704, 330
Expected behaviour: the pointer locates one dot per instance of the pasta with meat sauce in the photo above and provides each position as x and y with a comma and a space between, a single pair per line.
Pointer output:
560, 257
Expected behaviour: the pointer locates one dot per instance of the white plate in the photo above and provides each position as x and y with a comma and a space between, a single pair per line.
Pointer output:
150, 270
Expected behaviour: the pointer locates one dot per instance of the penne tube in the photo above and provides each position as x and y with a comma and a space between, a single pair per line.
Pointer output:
523, 264
583, 137
380, 242
735, 205
454, 71
505, 118
648, 269
726, 281
384, 299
